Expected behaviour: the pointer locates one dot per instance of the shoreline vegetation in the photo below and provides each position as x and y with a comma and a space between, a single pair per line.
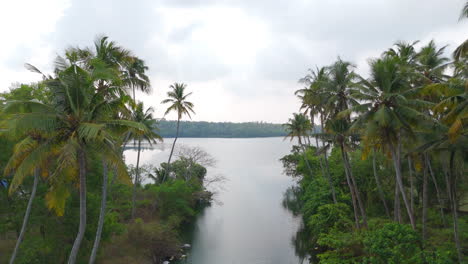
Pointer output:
386, 179
66, 194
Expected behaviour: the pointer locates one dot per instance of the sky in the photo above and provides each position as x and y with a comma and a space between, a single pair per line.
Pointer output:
241, 59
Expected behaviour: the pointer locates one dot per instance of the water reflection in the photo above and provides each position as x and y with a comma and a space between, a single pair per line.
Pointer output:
251, 226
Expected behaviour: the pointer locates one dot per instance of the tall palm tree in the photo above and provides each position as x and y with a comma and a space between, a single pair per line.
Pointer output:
337, 91
26, 216
313, 104
299, 127
177, 98
135, 76
449, 135
388, 113
462, 51
77, 123
145, 119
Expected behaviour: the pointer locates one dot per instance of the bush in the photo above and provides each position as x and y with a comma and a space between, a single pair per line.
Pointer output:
393, 244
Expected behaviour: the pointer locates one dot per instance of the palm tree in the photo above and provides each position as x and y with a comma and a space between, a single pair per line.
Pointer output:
388, 113
313, 104
448, 135
77, 123
26, 216
178, 100
145, 119
337, 91
462, 50
299, 127
135, 76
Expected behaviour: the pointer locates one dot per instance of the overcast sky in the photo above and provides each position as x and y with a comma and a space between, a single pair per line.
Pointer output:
241, 59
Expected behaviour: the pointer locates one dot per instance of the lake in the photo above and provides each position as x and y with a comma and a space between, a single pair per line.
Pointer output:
247, 224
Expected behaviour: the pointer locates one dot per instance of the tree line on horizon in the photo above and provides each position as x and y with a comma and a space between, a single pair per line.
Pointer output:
388, 170
206, 129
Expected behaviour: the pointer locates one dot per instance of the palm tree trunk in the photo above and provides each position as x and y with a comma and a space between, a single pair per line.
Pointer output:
82, 226
362, 209
411, 184
304, 153
327, 169
172, 151
351, 189
379, 185
397, 205
399, 180
453, 199
137, 176
327, 173
436, 185
26, 216
425, 200
102, 214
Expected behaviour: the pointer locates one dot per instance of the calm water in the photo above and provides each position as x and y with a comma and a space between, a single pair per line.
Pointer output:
248, 225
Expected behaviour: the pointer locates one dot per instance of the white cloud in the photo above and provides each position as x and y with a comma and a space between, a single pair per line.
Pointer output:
242, 59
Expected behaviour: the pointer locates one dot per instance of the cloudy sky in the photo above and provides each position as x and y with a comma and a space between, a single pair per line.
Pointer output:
241, 59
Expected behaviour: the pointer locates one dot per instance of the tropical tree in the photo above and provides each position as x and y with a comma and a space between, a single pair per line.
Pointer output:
389, 113
337, 91
77, 123
146, 120
462, 50
135, 76
177, 98
299, 127
313, 103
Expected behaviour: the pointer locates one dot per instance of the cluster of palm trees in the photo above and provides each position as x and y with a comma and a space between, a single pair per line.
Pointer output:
88, 114
412, 106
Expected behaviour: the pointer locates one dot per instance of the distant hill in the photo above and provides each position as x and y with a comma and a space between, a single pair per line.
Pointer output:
220, 129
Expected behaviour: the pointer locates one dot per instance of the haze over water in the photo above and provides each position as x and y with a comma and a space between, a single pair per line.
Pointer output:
249, 224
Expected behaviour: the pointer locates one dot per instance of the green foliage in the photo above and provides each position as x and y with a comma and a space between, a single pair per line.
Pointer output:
175, 198
393, 244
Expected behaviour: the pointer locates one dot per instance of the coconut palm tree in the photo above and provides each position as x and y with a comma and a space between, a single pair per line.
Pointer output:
299, 127
313, 104
145, 119
462, 50
135, 76
337, 91
77, 123
389, 112
177, 98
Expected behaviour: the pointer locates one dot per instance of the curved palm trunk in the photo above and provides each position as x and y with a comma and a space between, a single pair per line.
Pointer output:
102, 214
362, 209
396, 205
351, 189
327, 174
304, 153
453, 200
436, 185
137, 176
411, 184
26, 216
172, 151
399, 180
379, 185
82, 226
425, 201
327, 169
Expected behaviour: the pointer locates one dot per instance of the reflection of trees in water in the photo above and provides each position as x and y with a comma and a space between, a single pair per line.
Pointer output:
291, 200
301, 240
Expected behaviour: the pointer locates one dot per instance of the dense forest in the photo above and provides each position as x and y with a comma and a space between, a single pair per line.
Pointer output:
66, 194
221, 129
386, 179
